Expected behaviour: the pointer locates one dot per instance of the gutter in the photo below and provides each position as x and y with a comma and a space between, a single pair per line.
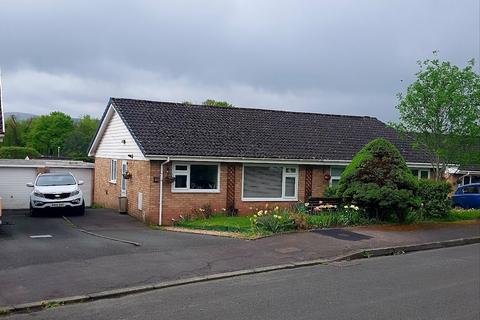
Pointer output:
418, 165
160, 211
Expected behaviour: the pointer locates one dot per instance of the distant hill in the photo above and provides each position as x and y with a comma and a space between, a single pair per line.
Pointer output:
25, 116
20, 115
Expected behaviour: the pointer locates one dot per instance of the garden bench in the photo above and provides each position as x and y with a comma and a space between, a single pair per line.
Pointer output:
317, 201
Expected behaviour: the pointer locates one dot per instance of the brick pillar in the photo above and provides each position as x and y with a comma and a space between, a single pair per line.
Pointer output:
308, 182
231, 186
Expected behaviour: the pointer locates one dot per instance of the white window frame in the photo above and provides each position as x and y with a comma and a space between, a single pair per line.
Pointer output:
187, 173
332, 177
113, 171
469, 178
285, 174
419, 173
123, 179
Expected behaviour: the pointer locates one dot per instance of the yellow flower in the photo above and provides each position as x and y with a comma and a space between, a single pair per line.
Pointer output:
276, 208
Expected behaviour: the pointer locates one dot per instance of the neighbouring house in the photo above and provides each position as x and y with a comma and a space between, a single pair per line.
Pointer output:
169, 158
464, 174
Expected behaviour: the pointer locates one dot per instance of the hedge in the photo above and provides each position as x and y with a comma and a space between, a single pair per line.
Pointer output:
18, 153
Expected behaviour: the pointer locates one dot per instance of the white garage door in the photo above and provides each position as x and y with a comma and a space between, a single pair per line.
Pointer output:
13, 189
81, 174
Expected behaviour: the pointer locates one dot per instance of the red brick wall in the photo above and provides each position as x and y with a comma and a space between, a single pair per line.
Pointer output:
181, 203
106, 193
175, 203
318, 180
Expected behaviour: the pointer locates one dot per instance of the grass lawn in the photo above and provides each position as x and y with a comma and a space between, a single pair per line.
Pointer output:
458, 215
220, 223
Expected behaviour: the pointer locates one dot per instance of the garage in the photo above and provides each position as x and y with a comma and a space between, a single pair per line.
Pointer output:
13, 191
15, 174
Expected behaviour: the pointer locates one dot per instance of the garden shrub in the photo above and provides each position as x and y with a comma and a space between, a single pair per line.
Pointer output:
330, 192
276, 220
379, 181
205, 211
18, 153
434, 198
299, 207
344, 216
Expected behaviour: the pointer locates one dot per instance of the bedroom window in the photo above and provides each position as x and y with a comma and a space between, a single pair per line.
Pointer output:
113, 170
270, 183
196, 177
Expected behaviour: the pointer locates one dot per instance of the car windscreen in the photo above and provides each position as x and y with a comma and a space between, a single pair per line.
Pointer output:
55, 180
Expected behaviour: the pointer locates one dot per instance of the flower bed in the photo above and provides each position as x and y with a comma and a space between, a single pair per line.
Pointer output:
268, 221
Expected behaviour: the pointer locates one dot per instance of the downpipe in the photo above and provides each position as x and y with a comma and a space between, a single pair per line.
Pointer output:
160, 211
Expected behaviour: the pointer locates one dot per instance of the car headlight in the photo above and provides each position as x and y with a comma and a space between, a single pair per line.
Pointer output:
38, 194
74, 193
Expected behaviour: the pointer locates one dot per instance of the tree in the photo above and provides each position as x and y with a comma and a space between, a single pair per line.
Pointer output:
16, 132
441, 112
379, 181
49, 132
215, 103
77, 141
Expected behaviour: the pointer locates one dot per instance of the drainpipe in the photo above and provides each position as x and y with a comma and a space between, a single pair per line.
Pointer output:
160, 211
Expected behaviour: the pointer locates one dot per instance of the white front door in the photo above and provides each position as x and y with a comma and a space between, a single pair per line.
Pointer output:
123, 186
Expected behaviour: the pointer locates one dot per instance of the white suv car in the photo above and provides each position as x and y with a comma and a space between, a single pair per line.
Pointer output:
56, 190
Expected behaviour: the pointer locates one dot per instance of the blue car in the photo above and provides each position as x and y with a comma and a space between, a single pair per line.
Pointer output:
467, 196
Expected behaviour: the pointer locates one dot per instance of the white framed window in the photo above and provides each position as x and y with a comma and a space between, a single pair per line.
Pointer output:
196, 177
269, 183
113, 170
123, 181
335, 174
421, 173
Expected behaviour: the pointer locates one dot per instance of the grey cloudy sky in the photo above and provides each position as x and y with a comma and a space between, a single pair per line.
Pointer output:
334, 56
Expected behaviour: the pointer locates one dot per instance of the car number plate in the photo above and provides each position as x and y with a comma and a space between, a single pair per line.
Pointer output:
58, 205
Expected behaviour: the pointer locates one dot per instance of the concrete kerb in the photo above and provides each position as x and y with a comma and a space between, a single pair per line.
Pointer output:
40, 305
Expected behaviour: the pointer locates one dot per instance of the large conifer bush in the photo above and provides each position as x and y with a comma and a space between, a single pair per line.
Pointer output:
379, 181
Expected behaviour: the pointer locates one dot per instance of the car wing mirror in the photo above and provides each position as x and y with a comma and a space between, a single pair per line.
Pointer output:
30, 185
80, 182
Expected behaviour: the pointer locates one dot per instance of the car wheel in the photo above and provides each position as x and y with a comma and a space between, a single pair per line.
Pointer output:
32, 212
81, 209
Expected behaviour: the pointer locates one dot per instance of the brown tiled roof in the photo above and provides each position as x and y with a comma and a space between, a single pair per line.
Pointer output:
173, 129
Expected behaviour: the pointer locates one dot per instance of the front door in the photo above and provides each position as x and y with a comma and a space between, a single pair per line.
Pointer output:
123, 185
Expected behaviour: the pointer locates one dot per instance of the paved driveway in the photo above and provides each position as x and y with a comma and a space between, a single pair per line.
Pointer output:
71, 262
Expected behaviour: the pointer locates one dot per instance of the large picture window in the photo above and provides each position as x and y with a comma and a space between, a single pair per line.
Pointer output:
195, 177
269, 183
